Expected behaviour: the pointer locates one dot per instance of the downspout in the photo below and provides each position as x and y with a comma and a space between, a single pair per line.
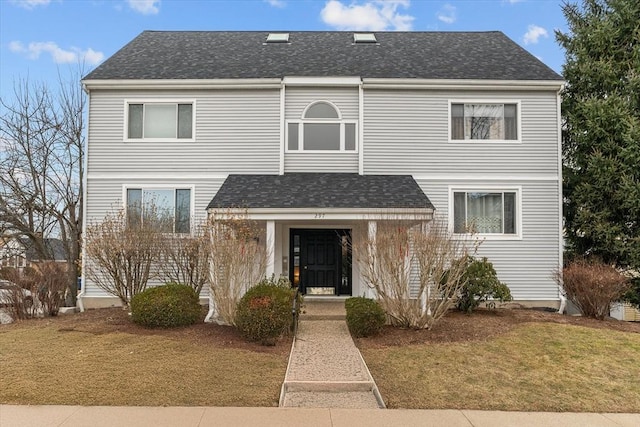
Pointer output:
561, 293
80, 295
212, 308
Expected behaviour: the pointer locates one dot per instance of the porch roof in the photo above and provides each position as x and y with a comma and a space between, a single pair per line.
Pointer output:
321, 190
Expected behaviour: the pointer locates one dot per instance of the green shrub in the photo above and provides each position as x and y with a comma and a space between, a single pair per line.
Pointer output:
264, 311
633, 295
166, 306
365, 316
481, 284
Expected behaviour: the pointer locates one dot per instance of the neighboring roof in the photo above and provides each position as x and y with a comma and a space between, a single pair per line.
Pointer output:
245, 55
320, 190
54, 247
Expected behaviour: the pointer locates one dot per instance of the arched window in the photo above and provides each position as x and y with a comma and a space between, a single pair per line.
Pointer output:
321, 110
321, 128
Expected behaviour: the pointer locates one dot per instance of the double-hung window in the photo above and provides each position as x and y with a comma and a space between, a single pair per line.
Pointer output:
485, 212
168, 208
322, 128
159, 120
484, 121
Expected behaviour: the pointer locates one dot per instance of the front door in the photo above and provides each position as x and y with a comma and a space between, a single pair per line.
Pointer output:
321, 261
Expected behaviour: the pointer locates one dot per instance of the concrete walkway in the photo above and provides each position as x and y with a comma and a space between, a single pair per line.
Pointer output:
325, 368
109, 416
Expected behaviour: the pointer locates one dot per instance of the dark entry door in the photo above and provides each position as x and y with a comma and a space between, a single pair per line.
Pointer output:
321, 261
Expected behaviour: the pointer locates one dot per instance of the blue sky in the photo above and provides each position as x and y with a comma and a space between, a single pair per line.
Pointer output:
40, 37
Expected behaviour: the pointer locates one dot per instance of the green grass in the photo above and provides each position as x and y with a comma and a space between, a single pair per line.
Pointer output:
43, 365
536, 367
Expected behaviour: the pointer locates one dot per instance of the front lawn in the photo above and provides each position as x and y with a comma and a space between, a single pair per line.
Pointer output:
507, 361
101, 358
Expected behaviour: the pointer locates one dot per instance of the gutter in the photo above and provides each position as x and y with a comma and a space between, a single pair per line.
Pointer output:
461, 84
131, 84
561, 293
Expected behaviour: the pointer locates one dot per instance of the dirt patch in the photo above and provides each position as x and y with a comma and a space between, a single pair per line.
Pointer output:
482, 325
113, 320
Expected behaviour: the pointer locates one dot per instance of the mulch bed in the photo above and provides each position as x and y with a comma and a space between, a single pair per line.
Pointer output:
484, 324
113, 320
453, 328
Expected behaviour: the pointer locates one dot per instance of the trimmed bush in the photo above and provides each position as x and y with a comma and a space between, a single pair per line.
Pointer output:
593, 286
365, 317
264, 312
166, 306
481, 284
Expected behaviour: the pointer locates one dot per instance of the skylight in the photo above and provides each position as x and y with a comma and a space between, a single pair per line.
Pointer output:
278, 38
364, 38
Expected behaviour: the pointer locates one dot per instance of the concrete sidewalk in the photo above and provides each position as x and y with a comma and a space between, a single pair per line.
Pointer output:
110, 416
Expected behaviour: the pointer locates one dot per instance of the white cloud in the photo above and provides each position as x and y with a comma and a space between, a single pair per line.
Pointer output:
145, 7
533, 33
59, 55
514, 1
447, 14
16, 46
372, 15
276, 3
30, 4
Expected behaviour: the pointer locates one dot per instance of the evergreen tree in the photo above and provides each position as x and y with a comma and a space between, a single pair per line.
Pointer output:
601, 131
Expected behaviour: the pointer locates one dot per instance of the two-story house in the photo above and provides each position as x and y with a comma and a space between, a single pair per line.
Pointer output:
314, 132
20, 253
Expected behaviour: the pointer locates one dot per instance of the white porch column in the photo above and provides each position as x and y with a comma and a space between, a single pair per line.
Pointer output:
271, 248
372, 231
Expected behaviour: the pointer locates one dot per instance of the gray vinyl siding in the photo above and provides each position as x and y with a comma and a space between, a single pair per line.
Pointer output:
525, 265
408, 132
405, 132
296, 100
237, 131
321, 162
105, 195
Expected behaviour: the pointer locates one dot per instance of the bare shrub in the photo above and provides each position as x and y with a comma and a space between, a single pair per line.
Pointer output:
411, 266
121, 253
52, 279
238, 251
592, 286
185, 258
17, 293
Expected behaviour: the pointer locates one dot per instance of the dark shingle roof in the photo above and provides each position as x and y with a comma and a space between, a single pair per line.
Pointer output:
320, 190
236, 55
54, 248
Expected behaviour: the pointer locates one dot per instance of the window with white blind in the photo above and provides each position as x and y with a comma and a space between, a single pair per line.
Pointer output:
170, 208
490, 212
160, 120
484, 121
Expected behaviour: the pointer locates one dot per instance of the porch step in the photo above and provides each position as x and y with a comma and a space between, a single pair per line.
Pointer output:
328, 386
350, 400
323, 310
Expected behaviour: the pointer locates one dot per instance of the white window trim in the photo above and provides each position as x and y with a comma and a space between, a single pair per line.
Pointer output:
21, 261
488, 188
169, 101
173, 187
340, 120
518, 103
